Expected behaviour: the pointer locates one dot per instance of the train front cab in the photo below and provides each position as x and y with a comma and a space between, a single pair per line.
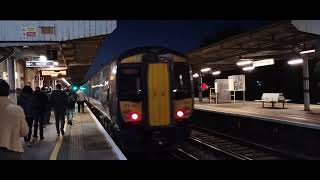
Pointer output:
155, 102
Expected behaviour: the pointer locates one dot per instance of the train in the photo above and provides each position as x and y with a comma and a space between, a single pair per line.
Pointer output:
147, 95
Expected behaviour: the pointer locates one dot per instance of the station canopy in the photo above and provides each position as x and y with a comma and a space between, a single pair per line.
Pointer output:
282, 40
72, 44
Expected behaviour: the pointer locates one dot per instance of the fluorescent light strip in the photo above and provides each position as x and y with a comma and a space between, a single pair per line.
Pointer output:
205, 70
195, 75
243, 63
308, 51
65, 81
216, 73
295, 61
250, 68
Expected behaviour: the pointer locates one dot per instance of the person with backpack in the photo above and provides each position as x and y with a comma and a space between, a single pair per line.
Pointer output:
71, 98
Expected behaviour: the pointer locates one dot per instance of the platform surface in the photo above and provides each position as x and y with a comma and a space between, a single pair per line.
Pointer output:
84, 140
293, 114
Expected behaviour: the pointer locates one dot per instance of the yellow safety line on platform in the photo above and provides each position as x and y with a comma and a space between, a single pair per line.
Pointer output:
55, 152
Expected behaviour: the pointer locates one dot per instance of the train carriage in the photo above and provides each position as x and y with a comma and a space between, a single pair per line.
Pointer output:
148, 96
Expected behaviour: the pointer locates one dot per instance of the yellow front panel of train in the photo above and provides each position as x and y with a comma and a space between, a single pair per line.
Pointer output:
158, 93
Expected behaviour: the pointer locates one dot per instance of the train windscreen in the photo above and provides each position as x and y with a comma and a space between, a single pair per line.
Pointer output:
130, 86
182, 81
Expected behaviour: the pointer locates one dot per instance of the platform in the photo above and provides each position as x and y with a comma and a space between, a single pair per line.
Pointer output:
293, 114
84, 140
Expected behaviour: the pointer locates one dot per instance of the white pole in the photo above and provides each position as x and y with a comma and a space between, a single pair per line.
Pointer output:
11, 79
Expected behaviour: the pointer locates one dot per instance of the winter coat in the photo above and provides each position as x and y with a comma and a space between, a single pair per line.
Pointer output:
39, 102
13, 125
25, 101
72, 99
58, 100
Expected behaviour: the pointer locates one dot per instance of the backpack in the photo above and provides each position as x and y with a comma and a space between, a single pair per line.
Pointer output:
71, 99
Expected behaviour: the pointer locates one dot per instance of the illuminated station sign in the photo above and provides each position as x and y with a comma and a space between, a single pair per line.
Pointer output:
39, 64
53, 73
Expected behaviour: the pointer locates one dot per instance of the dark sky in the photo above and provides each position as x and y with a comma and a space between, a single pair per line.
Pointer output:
182, 36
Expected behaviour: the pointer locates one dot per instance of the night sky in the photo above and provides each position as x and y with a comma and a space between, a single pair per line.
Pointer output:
182, 36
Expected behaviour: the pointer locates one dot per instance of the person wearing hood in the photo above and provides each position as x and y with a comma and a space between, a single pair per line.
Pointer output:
13, 126
58, 101
25, 102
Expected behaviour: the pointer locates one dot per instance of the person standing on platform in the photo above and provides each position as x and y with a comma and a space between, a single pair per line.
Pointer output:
72, 98
13, 126
25, 102
58, 101
81, 98
39, 103
47, 107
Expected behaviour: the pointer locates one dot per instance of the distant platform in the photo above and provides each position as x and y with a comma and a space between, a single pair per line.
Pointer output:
293, 114
84, 140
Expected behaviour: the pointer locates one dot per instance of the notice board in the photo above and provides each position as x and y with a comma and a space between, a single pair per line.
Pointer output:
237, 83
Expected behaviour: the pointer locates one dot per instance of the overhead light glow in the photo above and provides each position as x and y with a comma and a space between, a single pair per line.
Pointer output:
243, 63
195, 75
205, 70
308, 51
295, 61
114, 70
265, 62
56, 63
250, 68
216, 73
43, 58
65, 81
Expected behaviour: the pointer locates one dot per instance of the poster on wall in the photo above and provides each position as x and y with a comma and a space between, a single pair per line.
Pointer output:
237, 83
28, 32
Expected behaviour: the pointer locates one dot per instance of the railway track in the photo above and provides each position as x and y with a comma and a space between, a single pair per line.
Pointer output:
206, 143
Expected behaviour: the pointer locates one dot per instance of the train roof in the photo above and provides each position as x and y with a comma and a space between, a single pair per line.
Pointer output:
148, 49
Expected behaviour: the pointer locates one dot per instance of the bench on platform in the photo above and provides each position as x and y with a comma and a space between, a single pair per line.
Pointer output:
273, 98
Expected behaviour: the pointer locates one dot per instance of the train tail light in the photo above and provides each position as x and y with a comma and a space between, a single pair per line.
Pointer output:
180, 114
134, 117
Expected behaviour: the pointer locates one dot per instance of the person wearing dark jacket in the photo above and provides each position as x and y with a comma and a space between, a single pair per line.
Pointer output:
58, 101
25, 101
72, 98
39, 104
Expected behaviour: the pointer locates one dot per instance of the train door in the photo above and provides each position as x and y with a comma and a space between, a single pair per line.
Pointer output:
158, 94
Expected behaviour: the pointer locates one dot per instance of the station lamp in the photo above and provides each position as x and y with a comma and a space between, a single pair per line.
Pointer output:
195, 75
216, 73
43, 58
244, 62
295, 61
65, 81
205, 70
249, 68
308, 51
